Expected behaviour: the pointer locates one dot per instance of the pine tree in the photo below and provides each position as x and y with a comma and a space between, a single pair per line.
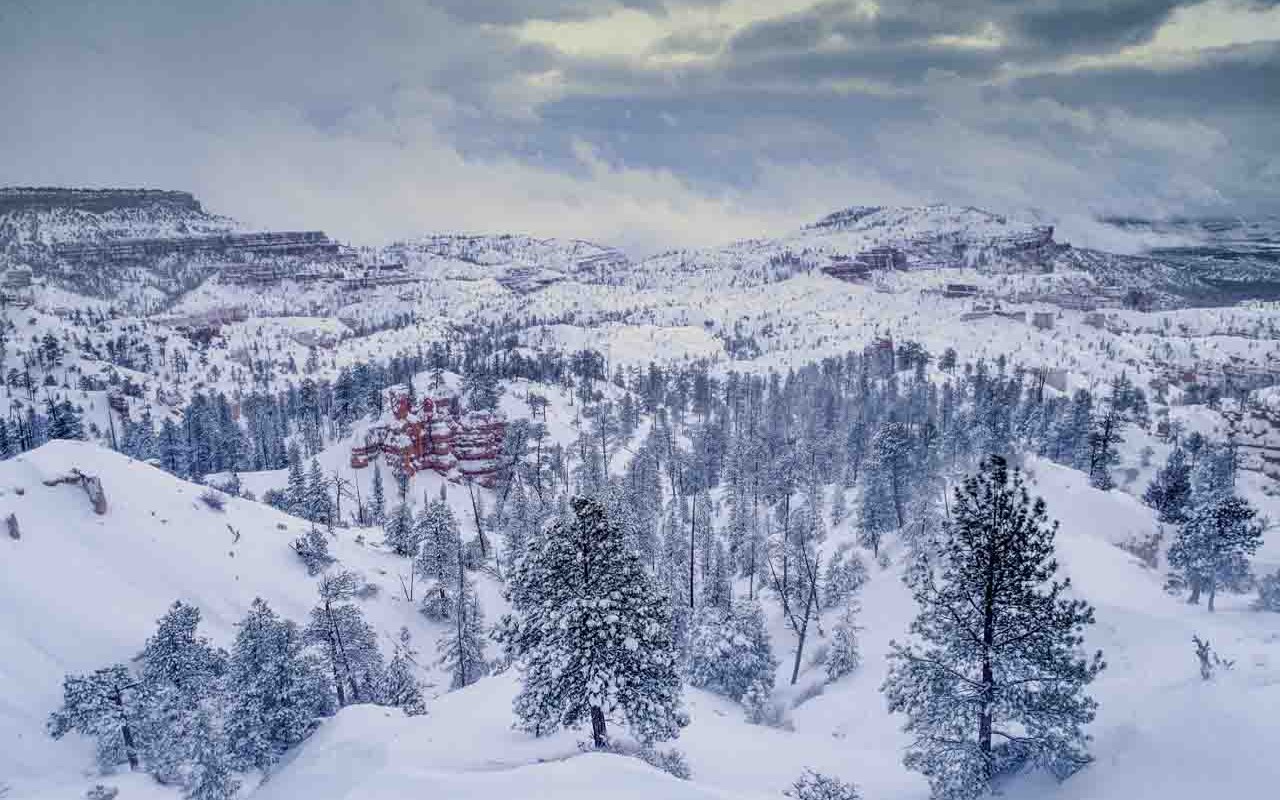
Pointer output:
297, 488
313, 548
348, 642
401, 535
173, 451
591, 633
462, 646
843, 656
277, 691
210, 776
400, 688
1170, 492
178, 674
318, 505
1214, 544
438, 563
845, 576
729, 650
994, 677
102, 705
1103, 438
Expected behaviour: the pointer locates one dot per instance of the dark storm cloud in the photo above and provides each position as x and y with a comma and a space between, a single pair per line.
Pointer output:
1227, 80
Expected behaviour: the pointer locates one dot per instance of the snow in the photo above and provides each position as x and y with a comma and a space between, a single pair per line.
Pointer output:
79, 590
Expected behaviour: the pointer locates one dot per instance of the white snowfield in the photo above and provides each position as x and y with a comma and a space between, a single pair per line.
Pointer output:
79, 591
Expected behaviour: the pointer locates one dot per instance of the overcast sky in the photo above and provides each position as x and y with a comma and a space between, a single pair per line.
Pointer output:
645, 123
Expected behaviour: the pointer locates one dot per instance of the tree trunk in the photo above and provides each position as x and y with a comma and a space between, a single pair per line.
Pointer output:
1194, 599
1213, 592
804, 630
130, 751
693, 529
599, 734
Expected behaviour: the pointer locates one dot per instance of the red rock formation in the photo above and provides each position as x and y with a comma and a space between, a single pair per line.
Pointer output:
434, 435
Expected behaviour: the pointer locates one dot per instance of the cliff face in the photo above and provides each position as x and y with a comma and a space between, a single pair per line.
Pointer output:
97, 201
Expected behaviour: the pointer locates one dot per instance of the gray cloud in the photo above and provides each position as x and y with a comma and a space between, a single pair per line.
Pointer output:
386, 119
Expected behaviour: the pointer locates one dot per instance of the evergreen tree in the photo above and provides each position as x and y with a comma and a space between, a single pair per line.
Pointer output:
462, 646
399, 686
313, 548
318, 505
1214, 544
1170, 492
438, 563
1103, 438
173, 449
178, 678
210, 776
296, 492
995, 676
277, 691
401, 535
591, 633
348, 642
729, 650
845, 576
843, 656
102, 705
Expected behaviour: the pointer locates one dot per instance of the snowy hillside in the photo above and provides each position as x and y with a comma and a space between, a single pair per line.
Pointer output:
81, 590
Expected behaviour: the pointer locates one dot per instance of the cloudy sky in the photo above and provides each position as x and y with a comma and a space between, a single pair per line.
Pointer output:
646, 123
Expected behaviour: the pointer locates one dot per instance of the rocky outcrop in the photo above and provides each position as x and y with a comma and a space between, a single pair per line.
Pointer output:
98, 201
433, 434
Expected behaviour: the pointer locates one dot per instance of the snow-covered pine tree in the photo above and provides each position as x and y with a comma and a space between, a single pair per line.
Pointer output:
845, 576
348, 642
210, 776
313, 548
318, 505
102, 705
729, 650
178, 674
438, 563
591, 633
296, 492
277, 690
1214, 544
401, 535
1104, 435
994, 676
462, 646
400, 687
1170, 491
843, 656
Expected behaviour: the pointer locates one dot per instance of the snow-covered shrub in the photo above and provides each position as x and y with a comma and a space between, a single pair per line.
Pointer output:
1145, 548
761, 709
670, 761
101, 792
729, 650
814, 785
214, 499
1268, 593
313, 548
